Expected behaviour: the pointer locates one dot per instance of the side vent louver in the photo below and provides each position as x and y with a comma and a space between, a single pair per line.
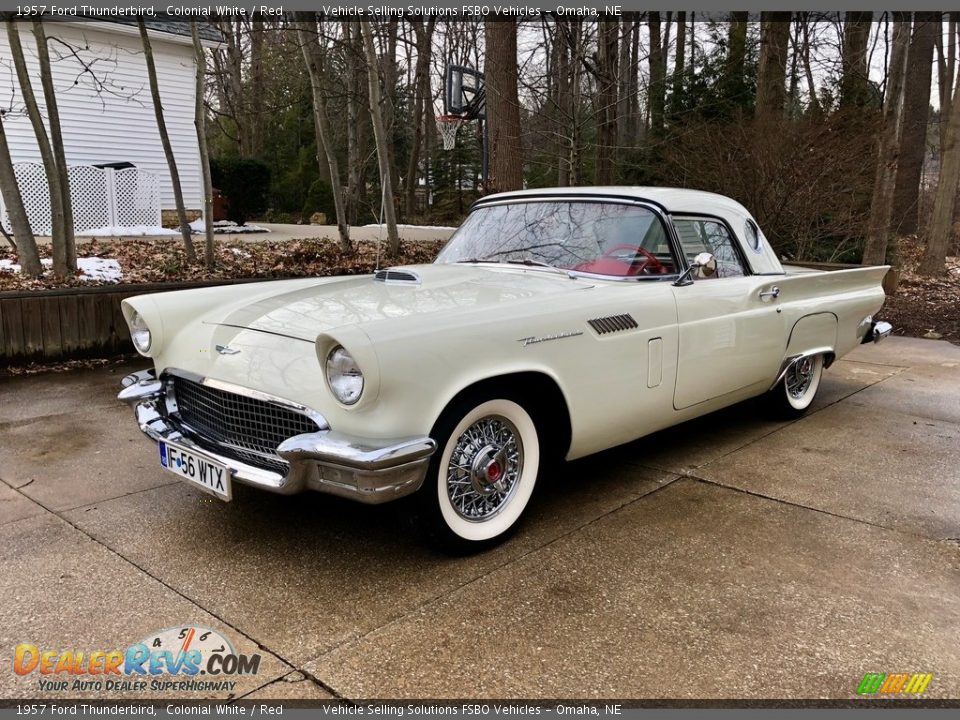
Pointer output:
397, 276
613, 323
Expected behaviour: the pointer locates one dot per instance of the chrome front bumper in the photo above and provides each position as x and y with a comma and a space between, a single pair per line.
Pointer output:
370, 471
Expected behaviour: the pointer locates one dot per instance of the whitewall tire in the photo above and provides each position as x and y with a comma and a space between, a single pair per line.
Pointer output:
482, 475
795, 393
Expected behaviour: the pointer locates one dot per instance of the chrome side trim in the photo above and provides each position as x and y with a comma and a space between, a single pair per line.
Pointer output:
828, 357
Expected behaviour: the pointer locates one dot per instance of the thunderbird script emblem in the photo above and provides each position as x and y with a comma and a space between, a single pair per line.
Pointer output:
226, 350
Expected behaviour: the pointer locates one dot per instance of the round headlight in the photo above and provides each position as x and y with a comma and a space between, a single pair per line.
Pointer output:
140, 333
344, 376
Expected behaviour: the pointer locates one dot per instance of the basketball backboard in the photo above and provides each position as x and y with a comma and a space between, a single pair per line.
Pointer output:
464, 92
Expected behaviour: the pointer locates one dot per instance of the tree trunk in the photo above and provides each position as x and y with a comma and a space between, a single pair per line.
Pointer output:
772, 73
679, 69
503, 107
380, 134
916, 113
61, 266
657, 73
257, 119
734, 70
623, 85
807, 69
389, 64
310, 45
353, 50
165, 141
855, 83
607, 30
422, 103
940, 231
200, 122
56, 141
881, 206
24, 241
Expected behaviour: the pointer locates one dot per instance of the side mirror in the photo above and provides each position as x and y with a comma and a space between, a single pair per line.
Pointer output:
706, 265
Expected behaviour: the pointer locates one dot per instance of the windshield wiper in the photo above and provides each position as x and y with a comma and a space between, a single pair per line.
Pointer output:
476, 260
537, 263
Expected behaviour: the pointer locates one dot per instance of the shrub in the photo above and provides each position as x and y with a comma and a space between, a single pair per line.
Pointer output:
245, 182
319, 199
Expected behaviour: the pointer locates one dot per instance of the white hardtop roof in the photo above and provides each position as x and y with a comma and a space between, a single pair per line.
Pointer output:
674, 200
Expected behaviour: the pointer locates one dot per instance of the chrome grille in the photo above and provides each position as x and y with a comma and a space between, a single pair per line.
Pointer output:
237, 426
613, 323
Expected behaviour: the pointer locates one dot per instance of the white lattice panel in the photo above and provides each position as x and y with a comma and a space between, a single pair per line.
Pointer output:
101, 197
90, 196
137, 197
36, 196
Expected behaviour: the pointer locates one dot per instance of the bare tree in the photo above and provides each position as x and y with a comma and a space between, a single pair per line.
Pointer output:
24, 242
421, 107
881, 206
658, 73
503, 106
940, 230
916, 113
855, 80
380, 134
200, 122
606, 100
310, 45
56, 141
61, 264
165, 141
772, 73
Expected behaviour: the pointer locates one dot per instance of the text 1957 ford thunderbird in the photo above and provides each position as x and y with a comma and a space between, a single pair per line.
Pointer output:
554, 324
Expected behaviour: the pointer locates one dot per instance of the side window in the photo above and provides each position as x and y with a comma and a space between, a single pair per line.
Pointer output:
754, 235
697, 236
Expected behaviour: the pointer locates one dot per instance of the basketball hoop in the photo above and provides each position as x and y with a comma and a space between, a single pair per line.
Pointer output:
448, 125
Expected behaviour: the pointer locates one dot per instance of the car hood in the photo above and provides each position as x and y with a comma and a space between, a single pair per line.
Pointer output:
305, 312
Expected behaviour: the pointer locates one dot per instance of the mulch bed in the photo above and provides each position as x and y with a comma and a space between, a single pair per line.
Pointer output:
162, 260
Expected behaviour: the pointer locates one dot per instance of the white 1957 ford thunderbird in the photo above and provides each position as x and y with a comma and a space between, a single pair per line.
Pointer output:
554, 324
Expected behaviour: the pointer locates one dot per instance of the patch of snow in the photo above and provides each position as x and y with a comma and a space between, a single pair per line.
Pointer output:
95, 268
415, 227
240, 253
90, 268
226, 227
117, 230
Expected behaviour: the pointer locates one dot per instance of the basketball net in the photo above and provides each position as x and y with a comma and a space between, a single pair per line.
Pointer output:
448, 125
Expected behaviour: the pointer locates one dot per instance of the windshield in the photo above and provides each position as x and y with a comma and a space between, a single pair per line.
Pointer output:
594, 237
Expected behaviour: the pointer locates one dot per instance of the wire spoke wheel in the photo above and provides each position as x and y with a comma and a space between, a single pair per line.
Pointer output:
798, 377
483, 474
484, 468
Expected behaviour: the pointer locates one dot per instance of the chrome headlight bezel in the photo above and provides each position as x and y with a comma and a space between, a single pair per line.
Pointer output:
140, 334
344, 377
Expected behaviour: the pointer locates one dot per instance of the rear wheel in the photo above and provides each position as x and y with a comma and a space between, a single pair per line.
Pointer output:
482, 476
794, 394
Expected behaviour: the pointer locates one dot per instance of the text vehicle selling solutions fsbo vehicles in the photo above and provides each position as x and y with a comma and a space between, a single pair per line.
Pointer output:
554, 324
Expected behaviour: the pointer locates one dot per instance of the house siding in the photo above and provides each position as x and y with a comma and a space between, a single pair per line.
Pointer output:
117, 124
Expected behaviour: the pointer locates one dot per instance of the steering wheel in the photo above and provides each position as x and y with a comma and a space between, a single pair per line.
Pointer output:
620, 252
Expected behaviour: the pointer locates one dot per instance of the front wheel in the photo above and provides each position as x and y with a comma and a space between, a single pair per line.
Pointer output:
793, 395
482, 476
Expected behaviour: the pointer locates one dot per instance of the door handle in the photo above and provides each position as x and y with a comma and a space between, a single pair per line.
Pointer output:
773, 292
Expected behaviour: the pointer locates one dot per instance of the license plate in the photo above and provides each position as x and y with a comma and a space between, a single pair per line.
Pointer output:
187, 465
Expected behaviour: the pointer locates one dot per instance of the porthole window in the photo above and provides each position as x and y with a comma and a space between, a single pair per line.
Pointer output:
754, 236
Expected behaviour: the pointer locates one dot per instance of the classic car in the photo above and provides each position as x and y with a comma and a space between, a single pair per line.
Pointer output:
554, 324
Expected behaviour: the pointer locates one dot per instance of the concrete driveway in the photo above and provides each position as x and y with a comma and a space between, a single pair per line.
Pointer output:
730, 557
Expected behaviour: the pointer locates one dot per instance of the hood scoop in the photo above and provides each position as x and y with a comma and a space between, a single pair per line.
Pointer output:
613, 323
398, 276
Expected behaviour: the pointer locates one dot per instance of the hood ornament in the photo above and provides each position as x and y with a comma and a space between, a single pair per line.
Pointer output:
226, 350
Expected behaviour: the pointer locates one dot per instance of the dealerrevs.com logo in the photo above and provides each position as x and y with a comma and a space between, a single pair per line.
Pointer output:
187, 658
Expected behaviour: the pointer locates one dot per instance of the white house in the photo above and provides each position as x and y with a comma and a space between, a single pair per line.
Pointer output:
107, 117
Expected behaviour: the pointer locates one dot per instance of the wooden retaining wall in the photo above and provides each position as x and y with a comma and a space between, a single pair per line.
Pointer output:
71, 323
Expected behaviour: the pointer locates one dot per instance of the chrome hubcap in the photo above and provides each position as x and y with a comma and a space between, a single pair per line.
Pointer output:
799, 377
485, 468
